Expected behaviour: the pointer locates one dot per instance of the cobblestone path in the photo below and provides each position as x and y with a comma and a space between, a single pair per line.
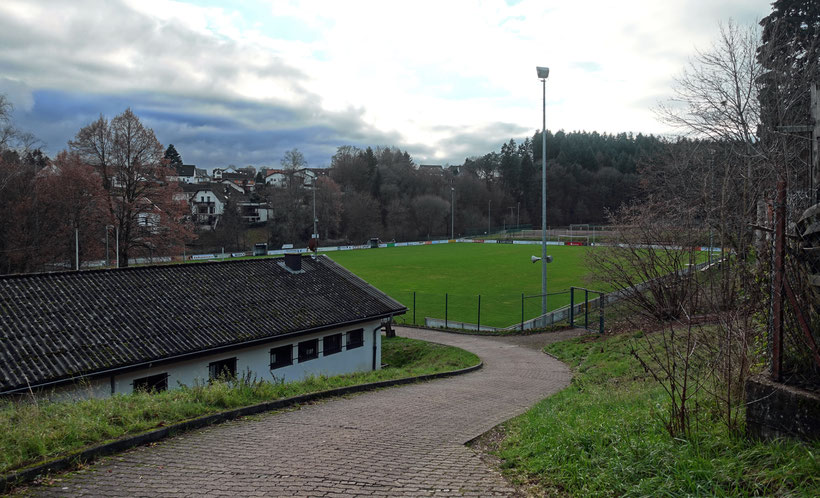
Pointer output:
401, 441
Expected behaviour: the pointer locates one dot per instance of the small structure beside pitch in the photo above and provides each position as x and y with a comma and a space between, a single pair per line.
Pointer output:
103, 332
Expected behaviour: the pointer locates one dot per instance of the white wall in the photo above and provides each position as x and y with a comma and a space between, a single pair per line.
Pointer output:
256, 358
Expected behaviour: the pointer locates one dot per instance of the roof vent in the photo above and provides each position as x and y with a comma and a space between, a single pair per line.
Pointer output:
293, 261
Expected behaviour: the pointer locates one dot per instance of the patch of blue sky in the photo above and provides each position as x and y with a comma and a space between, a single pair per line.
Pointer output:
259, 16
453, 87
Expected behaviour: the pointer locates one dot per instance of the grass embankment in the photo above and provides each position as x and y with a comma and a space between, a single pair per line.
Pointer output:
500, 273
38, 431
603, 436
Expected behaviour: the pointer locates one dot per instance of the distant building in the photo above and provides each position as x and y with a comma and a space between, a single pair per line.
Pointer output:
104, 332
432, 169
185, 173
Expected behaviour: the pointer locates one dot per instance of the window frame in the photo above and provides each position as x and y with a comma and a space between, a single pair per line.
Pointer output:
283, 363
303, 357
330, 350
151, 383
350, 344
215, 369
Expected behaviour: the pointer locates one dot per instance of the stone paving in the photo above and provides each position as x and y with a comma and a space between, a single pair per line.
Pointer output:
401, 441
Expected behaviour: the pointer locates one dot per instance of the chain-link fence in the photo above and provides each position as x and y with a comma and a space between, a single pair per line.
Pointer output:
793, 251
794, 340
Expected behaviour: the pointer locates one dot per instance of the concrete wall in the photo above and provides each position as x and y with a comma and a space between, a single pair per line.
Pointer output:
775, 410
256, 359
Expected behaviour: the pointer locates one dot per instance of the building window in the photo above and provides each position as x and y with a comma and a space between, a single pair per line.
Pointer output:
281, 356
331, 344
355, 339
152, 383
308, 350
222, 369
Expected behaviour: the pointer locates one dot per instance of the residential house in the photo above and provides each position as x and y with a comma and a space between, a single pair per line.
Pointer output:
305, 176
251, 208
103, 332
184, 173
276, 178
201, 176
207, 205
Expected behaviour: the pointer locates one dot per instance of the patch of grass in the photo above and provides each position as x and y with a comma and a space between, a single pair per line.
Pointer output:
500, 273
603, 436
37, 431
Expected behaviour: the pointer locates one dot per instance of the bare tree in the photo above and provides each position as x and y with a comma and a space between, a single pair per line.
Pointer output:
702, 191
142, 204
716, 95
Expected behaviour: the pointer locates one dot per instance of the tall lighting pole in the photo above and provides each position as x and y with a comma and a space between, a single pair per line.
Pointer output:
315, 234
543, 74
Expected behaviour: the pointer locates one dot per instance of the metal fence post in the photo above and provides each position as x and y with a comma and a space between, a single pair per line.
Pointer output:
601, 306
446, 306
414, 307
572, 306
479, 312
522, 312
586, 309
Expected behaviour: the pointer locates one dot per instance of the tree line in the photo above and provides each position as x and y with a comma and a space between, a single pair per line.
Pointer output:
109, 189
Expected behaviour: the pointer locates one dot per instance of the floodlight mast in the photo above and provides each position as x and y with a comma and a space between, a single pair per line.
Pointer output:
543, 74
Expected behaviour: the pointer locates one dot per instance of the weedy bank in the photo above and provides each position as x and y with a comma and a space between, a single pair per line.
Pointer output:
606, 435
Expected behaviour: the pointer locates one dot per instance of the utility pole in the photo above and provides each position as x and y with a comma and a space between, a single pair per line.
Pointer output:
815, 141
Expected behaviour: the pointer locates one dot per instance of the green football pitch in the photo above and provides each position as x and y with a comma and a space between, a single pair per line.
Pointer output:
499, 273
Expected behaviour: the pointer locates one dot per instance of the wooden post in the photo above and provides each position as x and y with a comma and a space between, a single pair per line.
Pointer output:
777, 282
388, 328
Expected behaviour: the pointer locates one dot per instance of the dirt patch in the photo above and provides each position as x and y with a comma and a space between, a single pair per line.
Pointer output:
541, 339
487, 446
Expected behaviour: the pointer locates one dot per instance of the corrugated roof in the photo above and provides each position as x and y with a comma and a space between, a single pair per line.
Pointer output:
64, 325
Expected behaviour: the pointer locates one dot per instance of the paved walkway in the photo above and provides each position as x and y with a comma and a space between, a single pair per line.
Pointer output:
402, 441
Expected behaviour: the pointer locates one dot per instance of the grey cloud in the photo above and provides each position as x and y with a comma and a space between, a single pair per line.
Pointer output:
107, 46
464, 143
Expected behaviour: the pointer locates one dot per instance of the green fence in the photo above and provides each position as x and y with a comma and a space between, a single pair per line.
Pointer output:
491, 310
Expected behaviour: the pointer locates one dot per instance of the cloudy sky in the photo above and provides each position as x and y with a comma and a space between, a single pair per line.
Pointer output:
242, 82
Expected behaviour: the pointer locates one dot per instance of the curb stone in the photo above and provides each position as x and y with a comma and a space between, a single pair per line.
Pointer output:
19, 477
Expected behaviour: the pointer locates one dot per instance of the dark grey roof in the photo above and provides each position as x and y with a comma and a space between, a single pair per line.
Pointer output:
58, 326
186, 170
190, 188
217, 189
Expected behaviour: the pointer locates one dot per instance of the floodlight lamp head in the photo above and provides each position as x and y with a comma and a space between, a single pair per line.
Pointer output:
535, 259
543, 72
